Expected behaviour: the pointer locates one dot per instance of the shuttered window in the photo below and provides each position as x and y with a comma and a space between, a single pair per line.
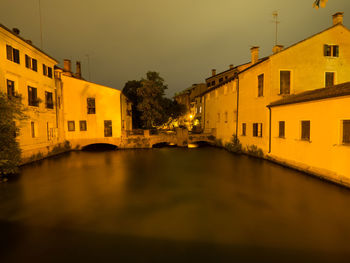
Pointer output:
108, 128
346, 131
10, 88
281, 130
71, 125
284, 82
32, 97
331, 50
244, 129
82, 125
305, 130
261, 85
91, 108
329, 81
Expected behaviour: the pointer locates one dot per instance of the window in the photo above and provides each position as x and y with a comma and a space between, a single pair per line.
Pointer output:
71, 125
108, 128
213, 83
82, 125
49, 72
221, 80
91, 108
10, 88
32, 129
305, 130
48, 100
44, 70
31, 63
331, 50
261, 85
281, 131
284, 82
12, 54
257, 129
329, 81
208, 84
244, 129
34, 64
28, 61
226, 116
346, 131
32, 97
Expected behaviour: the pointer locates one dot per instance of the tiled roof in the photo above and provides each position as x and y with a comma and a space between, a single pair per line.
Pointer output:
10, 31
311, 95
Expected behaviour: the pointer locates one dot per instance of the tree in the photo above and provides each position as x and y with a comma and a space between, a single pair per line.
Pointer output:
151, 93
11, 110
130, 91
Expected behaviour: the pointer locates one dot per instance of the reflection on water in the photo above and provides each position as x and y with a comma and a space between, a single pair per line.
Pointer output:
170, 205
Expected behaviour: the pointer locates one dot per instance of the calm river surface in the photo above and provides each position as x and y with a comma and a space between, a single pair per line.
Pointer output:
170, 205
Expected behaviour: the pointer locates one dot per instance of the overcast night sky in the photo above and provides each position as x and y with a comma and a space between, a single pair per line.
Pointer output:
183, 39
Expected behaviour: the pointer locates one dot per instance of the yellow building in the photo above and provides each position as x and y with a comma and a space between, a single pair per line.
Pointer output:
27, 71
319, 61
59, 105
91, 113
311, 131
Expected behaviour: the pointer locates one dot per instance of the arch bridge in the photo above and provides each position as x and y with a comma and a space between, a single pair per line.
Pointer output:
147, 139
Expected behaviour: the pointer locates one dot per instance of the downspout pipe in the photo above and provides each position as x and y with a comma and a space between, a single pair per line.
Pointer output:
237, 88
270, 117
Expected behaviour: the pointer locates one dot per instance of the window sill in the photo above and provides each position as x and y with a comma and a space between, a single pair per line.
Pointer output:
304, 140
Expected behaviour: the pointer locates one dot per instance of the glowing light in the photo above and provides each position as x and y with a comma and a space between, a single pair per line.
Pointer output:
192, 145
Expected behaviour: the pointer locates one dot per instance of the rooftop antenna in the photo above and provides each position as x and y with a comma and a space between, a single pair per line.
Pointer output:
41, 26
276, 21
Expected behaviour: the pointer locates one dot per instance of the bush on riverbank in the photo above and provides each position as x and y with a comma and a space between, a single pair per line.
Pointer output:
254, 151
234, 146
11, 111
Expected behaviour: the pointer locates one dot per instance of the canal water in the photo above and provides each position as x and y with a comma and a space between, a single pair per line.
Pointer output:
170, 205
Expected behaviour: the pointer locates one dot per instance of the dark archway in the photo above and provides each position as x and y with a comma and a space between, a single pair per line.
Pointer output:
99, 147
163, 145
200, 144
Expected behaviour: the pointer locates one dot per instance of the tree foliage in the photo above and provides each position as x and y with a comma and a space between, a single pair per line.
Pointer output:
150, 107
11, 110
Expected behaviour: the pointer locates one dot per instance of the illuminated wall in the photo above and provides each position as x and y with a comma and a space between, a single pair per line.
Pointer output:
23, 65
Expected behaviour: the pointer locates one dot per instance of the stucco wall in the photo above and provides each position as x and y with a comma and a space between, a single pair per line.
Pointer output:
325, 151
44, 118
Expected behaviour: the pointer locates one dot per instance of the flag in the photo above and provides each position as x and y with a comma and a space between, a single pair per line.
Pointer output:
319, 3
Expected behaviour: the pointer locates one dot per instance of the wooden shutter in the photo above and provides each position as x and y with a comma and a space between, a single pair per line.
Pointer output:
285, 82
346, 131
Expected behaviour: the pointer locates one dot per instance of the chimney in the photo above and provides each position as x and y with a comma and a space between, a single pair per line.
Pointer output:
338, 18
16, 31
255, 54
213, 72
231, 66
29, 41
67, 65
276, 49
78, 70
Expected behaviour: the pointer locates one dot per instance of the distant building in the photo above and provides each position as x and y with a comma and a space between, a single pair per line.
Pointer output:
191, 98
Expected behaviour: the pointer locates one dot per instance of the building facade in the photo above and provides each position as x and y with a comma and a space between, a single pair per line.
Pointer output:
321, 60
59, 105
27, 71
311, 131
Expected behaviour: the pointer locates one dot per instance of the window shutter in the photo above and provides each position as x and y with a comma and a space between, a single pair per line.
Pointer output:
325, 48
9, 52
336, 51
